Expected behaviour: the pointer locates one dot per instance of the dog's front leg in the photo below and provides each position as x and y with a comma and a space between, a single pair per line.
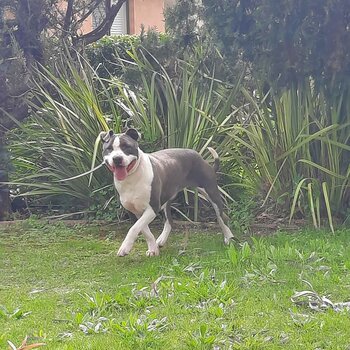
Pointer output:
142, 223
153, 249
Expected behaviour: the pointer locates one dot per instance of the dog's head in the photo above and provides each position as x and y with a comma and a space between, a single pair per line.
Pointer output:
120, 152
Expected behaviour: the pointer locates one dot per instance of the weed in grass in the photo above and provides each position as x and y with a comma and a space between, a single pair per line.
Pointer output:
303, 320
88, 327
261, 274
241, 214
17, 313
99, 303
201, 338
139, 327
311, 299
239, 256
64, 336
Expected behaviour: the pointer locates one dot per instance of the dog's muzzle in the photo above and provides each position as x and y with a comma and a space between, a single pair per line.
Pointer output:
118, 161
119, 170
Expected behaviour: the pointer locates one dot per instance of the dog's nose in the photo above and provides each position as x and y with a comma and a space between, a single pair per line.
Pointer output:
118, 160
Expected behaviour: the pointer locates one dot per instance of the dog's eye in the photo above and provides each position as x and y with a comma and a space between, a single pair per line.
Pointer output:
109, 149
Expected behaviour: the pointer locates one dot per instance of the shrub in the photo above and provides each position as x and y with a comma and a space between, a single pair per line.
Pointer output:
192, 111
110, 55
295, 149
286, 41
295, 146
106, 54
73, 104
70, 107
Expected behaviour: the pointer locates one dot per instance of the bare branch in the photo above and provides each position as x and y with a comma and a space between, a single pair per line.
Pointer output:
88, 13
67, 18
104, 26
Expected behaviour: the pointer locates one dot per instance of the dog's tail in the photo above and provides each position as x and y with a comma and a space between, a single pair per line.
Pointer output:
216, 159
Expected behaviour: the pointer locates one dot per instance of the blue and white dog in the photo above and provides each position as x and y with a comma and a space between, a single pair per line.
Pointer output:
148, 182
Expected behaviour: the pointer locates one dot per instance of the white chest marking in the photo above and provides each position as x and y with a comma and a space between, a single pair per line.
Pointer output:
135, 190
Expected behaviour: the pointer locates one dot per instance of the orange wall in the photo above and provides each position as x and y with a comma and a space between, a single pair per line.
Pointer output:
86, 26
146, 12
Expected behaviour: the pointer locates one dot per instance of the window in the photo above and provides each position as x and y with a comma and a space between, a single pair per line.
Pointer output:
119, 25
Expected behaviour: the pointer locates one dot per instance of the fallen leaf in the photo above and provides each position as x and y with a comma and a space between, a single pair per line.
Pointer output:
24, 345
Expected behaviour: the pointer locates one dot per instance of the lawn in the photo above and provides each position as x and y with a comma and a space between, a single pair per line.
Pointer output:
64, 286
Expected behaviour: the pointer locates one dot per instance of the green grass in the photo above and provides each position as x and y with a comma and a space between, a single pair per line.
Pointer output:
197, 295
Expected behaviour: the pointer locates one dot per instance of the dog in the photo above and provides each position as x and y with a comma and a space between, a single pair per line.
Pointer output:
148, 182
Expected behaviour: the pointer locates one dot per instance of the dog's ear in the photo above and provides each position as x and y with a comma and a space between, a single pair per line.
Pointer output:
133, 133
106, 136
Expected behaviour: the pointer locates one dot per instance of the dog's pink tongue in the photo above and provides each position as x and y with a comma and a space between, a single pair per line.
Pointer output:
120, 173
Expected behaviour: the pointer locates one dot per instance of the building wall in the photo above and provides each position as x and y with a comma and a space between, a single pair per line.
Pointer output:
86, 26
148, 13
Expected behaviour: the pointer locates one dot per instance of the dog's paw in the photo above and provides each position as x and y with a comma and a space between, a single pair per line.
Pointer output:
122, 253
161, 241
123, 250
230, 240
153, 252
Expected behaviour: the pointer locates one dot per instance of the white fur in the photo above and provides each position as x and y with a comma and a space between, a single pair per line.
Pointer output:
135, 195
161, 240
140, 225
226, 231
153, 248
135, 189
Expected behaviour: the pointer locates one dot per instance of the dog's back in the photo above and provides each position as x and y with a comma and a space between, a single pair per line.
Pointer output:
180, 168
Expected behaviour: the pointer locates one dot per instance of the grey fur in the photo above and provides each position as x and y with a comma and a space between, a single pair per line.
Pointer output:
177, 168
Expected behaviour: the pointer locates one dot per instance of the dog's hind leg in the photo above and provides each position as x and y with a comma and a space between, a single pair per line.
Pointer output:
213, 194
161, 240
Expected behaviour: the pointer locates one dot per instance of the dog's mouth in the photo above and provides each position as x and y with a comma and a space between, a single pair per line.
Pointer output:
121, 172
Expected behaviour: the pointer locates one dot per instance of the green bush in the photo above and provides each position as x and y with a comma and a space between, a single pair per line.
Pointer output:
73, 104
285, 41
70, 106
295, 145
110, 55
106, 54
295, 149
